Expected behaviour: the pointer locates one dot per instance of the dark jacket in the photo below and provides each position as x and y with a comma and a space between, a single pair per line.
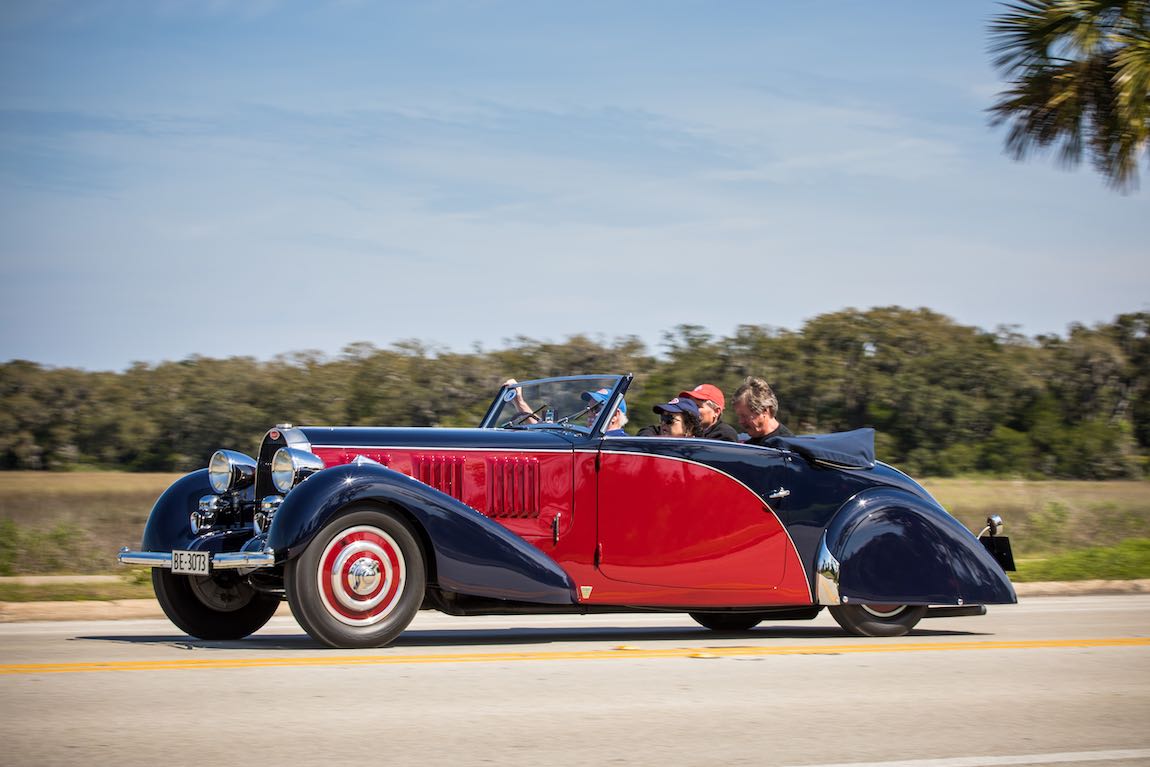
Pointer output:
723, 431
780, 431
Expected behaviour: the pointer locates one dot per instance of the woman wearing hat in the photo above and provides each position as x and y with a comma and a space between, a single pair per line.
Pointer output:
679, 418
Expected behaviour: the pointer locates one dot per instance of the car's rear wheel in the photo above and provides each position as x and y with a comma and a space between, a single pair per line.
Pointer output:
360, 581
728, 621
221, 606
878, 620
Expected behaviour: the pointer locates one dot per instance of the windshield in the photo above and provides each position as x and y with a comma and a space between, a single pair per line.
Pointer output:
573, 402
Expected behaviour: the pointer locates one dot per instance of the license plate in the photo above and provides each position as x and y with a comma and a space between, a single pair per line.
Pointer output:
190, 562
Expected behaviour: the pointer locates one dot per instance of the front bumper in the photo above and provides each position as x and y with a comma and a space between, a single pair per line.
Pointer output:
225, 560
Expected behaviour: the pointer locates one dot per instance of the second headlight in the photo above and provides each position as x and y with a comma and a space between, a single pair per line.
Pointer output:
291, 466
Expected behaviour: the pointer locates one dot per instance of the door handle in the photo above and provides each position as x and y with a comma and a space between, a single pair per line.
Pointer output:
782, 492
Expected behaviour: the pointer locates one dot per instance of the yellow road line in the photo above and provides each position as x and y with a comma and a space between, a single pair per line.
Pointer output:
612, 654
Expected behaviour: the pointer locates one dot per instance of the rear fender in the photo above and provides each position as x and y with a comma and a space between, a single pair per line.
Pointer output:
887, 546
471, 554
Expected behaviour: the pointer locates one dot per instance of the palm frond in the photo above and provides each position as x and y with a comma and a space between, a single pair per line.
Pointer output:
1078, 80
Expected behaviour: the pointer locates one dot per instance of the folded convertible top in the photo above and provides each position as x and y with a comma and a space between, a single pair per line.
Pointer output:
846, 449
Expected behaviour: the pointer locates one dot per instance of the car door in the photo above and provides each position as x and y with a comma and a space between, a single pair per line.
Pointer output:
670, 513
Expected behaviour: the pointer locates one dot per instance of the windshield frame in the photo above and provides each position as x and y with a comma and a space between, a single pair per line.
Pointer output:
597, 429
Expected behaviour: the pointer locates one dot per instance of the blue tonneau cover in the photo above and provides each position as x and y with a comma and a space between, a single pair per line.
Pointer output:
846, 449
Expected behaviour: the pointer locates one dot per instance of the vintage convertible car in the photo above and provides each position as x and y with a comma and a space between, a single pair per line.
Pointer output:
539, 511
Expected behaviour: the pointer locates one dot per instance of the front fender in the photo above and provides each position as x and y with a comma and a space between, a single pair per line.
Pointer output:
169, 525
472, 554
888, 546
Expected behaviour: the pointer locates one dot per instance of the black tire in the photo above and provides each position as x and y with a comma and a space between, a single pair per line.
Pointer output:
221, 606
727, 621
878, 620
360, 581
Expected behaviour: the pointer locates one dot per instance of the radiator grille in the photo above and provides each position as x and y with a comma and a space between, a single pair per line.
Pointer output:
443, 472
513, 487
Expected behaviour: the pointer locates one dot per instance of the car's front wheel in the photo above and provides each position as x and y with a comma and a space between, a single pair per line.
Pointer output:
360, 581
878, 620
221, 606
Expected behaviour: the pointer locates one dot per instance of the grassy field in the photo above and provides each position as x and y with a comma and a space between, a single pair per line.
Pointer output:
1044, 518
76, 522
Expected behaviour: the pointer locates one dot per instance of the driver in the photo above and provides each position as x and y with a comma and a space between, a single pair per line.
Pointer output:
521, 404
596, 399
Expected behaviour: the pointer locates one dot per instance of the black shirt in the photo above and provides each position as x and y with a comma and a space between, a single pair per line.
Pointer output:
719, 430
780, 431
723, 431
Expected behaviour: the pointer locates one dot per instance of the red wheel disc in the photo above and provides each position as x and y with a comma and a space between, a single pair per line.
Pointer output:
361, 575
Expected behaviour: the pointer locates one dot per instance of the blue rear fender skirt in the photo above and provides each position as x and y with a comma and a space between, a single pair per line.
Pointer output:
470, 553
897, 548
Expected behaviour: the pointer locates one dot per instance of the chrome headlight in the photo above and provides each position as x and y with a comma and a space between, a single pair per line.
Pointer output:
229, 470
291, 466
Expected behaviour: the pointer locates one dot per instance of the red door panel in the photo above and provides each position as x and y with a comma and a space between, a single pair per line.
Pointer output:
678, 524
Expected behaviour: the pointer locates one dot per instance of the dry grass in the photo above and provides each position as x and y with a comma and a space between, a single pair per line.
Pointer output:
73, 522
1044, 517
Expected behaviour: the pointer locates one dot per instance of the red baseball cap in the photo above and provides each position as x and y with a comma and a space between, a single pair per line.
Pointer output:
704, 392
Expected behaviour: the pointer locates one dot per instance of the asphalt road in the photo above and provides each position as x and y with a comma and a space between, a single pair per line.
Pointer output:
1054, 680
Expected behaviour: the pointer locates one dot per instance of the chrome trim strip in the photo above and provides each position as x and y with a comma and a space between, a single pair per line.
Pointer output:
238, 560
826, 574
146, 558
228, 560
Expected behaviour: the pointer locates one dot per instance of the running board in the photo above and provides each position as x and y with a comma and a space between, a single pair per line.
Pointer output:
954, 611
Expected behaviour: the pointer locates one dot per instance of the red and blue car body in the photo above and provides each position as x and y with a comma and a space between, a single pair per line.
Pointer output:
550, 515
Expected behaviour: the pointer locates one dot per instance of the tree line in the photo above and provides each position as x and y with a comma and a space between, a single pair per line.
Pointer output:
944, 398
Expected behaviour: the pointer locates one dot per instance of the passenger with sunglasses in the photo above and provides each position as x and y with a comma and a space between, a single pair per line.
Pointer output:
709, 402
679, 418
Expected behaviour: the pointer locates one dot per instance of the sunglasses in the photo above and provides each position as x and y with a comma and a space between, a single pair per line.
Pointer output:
670, 417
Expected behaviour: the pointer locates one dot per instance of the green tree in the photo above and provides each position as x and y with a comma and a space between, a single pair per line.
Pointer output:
1078, 76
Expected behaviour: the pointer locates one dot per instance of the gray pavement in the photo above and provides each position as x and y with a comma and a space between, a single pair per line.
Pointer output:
1055, 680
128, 609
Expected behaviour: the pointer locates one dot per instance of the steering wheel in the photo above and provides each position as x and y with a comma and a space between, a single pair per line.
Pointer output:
524, 416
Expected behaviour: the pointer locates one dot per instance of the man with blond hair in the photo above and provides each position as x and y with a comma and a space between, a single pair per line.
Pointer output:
757, 408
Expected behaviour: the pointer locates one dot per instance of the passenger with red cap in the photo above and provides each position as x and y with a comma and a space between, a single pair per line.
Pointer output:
709, 399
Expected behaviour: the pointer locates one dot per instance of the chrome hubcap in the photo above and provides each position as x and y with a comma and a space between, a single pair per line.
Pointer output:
363, 576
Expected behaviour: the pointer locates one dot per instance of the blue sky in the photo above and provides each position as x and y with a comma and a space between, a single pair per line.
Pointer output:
223, 178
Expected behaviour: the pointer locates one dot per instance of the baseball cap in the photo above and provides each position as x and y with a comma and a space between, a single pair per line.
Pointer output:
704, 392
601, 396
678, 405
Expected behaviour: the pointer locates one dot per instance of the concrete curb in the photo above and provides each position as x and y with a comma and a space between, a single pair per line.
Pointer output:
115, 610
130, 609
